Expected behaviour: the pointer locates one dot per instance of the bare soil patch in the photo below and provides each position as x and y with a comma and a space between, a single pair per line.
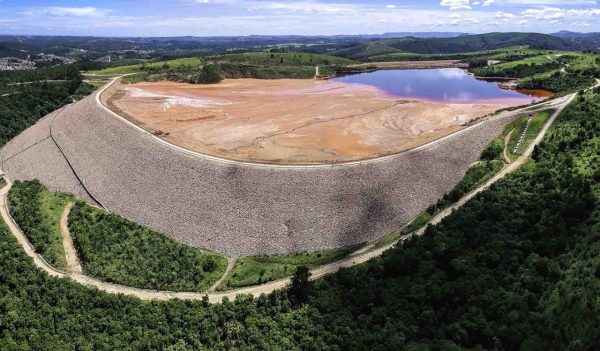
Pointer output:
289, 121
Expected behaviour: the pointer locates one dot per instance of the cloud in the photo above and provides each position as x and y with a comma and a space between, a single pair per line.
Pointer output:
456, 4
309, 17
546, 13
550, 14
588, 12
464, 21
8, 21
503, 15
465, 4
547, 2
75, 11
303, 7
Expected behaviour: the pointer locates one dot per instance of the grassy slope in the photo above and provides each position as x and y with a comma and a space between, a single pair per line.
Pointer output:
284, 59
260, 269
536, 125
545, 64
262, 65
573, 79
117, 250
255, 58
496, 54
189, 61
37, 211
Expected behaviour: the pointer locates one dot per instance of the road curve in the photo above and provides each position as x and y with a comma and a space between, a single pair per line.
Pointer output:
358, 257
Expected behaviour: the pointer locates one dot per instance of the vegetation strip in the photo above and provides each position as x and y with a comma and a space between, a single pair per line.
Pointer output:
257, 270
119, 251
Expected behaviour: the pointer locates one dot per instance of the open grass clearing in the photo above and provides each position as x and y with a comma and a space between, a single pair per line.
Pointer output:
535, 126
254, 270
188, 61
283, 59
503, 54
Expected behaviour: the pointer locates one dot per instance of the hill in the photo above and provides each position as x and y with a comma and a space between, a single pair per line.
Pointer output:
283, 59
464, 43
587, 41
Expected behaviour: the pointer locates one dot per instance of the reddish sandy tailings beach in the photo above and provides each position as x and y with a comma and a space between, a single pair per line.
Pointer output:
290, 121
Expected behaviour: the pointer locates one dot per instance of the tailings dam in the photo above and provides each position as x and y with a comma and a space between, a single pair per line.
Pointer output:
231, 207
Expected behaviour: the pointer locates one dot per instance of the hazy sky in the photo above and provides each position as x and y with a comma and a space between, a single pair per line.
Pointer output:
244, 17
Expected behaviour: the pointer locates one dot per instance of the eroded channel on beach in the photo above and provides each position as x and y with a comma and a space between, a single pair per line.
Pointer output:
291, 121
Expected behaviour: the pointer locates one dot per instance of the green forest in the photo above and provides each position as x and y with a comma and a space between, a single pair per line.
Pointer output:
558, 82
516, 71
117, 250
28, 95
272, 64
515, 268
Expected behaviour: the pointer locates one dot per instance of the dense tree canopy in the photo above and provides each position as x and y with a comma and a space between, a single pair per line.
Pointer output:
28, 95
117, 250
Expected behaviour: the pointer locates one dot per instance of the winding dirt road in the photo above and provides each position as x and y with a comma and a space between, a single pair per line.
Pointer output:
73, 264
230, 265
356, 258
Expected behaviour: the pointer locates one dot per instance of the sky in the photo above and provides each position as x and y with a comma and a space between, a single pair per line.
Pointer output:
308, 17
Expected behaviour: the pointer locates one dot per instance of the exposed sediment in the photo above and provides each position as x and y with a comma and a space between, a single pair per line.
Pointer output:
291, 121
239, 209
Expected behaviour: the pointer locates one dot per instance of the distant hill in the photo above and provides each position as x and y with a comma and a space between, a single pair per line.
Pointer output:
358, 47
462, 43
418, 35
587, 41
568, 34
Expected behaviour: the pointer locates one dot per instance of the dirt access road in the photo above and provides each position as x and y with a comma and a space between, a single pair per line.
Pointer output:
358, 257
73, 264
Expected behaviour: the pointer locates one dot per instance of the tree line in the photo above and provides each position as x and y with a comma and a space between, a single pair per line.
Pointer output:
22, 105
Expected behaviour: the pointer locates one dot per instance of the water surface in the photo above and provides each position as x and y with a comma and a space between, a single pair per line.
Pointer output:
449, 85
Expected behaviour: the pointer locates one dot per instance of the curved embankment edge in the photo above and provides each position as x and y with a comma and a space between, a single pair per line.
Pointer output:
356, 258
226, 161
